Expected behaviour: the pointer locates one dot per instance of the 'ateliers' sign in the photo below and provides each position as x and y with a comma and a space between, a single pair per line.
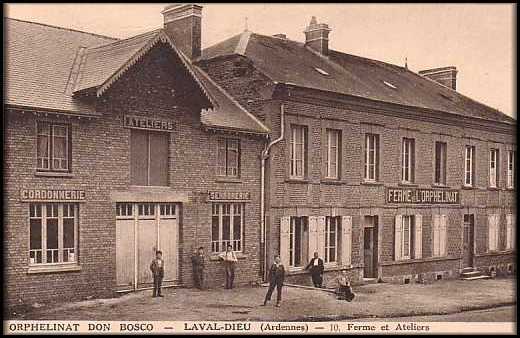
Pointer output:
140, 122
52, 195
214, 196
422, 196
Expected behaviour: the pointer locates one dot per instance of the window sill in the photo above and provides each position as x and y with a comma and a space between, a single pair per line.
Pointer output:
228, 180
332, 181
510, 188
496, 253
53, 268
406, 184
494, 188
468, 187
297, 181
440, 186
421, 260
373, 183
53, 174
240, 255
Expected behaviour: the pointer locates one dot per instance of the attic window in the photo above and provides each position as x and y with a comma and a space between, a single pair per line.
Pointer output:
321, 71
388, 84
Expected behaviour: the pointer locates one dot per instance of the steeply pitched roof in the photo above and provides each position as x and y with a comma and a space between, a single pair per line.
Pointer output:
38, 61
291, 62
48, 65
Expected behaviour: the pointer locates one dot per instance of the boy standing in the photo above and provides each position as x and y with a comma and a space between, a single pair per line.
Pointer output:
230, 260
197, 262
276, 278
157, 268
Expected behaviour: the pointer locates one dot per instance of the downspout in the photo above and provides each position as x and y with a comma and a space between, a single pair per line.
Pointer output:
265, 156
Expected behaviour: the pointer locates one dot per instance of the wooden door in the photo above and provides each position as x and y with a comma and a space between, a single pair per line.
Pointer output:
125, 252
468, 241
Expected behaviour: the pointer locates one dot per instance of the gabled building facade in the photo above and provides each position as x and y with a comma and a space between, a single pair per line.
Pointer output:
392, 175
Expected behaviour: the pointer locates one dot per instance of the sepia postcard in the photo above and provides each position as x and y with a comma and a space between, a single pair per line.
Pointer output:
259, 168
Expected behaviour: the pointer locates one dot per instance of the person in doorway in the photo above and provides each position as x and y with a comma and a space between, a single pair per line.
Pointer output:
316, 267
157, 268
345, 289
230, 259
276, 278
197, 261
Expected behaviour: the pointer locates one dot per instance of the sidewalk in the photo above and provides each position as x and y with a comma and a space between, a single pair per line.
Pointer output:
377, 300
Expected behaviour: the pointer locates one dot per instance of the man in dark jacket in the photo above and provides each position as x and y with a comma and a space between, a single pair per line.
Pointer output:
276, 278
157, 268
316, 267
197, 260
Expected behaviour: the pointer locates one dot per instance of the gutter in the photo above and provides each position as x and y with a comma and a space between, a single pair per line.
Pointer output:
265, 156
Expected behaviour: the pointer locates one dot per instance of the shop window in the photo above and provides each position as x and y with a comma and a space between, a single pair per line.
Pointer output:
494, 160
227, 226
53, 147
149, 156
333, 153
440, 163
371, 157
228, 157
298, 151
408, 161
53, 229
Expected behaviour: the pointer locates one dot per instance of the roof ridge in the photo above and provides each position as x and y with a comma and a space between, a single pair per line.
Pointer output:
64, 28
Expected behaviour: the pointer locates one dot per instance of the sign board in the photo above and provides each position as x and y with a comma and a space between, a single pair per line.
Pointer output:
52, 195
422, 196
142, 122
228, 196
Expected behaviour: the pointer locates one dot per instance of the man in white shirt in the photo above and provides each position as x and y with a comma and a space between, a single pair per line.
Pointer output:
230, 260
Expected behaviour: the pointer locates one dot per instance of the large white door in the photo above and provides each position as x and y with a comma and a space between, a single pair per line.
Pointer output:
141, 230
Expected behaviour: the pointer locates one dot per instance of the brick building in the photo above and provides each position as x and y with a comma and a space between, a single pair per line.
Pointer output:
116, 148
390, 174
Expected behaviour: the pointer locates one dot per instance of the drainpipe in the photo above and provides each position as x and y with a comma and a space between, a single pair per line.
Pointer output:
265, 156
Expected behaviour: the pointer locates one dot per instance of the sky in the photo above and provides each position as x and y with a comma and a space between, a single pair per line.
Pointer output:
478, 39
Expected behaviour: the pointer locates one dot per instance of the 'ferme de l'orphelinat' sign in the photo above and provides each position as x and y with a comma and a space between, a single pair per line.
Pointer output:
422, 196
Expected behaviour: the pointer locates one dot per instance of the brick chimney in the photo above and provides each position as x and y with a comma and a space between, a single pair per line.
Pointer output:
182, 23
317, 36
446, 76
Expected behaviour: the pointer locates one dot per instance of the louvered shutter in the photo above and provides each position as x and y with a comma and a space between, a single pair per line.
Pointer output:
285, 226
491, 232
321, 237
436, 235
418, 236
398, 236
513, 231
346, 240
443, 235
313, 235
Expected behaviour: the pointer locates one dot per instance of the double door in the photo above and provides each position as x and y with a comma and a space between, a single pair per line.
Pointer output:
141, 230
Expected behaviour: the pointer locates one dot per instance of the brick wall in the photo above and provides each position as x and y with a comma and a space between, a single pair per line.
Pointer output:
100, 164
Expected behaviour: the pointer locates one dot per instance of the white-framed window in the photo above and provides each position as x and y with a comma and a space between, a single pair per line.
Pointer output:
510, 169
493, 231
469, 166
227, 226
332, 232
439, 228
371, 157
333, 153
298, 151
408, 237
510, 231
440, 163
53, 147
53, 233
149, 157
228, 157
408, 160
298, 241
494, 160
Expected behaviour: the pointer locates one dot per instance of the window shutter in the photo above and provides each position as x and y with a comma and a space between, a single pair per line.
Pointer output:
513, 231
418, 236
313, 235
491, 232
397, 241
442, 235
346, 240
321, 236
509, 231
285, 224
436, 235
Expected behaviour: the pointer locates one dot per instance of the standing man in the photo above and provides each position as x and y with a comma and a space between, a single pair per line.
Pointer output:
316, 266
230, 261
157, 268
197, 260
276, 278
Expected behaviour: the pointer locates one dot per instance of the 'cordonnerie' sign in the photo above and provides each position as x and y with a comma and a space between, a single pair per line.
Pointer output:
422, 196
